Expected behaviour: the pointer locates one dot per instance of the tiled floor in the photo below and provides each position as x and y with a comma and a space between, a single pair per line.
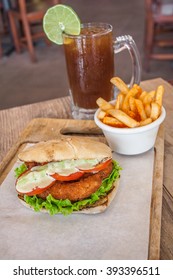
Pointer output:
22, 82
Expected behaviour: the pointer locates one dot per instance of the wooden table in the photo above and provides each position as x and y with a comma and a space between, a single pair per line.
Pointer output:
14, 120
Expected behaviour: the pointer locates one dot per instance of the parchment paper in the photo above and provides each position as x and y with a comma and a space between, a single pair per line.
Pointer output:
121, 232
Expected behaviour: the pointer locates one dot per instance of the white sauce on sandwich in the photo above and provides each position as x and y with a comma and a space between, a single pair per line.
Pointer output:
31, 180
40, 176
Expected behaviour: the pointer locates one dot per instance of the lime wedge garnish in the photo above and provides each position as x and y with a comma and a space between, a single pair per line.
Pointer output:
59, 19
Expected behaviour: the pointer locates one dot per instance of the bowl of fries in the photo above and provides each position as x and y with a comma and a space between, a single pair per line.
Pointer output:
131, 122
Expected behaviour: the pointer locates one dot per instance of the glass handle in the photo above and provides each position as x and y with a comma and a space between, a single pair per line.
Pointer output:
126, 42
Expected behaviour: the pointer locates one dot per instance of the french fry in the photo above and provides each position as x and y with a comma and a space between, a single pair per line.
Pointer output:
126, 106
145, 122
103, 104
142, 96
120, 84
131, 114
147, 109
134, 115
149, 97
120, 99
101, 115
113, 122
140, 108
139, 89
132, 104
132, 92
155, 111
123, 117
159, 95
117, 103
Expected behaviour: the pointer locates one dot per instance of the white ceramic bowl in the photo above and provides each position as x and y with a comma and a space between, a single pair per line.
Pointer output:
131, 141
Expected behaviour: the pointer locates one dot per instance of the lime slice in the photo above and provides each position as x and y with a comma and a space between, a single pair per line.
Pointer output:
59, 19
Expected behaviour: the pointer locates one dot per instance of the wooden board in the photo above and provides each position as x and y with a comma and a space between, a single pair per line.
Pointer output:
42, 129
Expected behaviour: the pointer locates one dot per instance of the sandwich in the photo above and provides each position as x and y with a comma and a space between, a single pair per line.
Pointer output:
67, 175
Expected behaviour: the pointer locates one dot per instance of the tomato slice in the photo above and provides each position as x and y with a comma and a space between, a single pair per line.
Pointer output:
98, 167
37, 190
71, 177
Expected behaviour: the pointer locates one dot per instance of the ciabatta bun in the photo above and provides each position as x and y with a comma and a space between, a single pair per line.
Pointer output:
65, 148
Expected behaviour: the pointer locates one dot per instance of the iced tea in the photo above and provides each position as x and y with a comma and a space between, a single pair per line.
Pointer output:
90, 64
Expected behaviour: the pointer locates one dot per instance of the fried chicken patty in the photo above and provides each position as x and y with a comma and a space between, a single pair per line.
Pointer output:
77, 190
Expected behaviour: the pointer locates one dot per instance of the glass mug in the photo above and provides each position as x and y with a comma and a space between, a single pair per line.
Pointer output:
90, 66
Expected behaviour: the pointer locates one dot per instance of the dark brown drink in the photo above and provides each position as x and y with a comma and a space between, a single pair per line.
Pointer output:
90, 65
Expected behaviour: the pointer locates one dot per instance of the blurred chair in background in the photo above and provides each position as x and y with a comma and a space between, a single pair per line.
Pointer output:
1, 22
158, 31
3, 25
26, 23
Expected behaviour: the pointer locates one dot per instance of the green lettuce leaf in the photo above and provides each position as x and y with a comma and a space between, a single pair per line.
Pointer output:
65, 206
19, 170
